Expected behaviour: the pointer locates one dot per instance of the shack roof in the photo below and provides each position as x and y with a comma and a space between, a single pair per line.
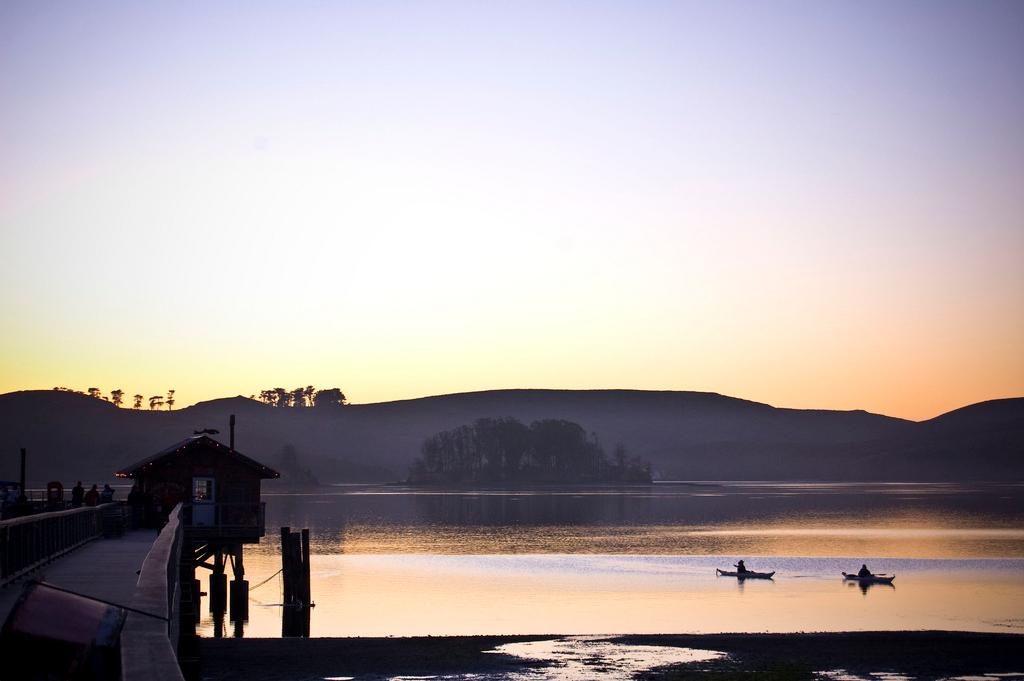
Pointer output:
189, 444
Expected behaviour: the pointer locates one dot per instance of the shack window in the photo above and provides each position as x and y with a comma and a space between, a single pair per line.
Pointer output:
202, 489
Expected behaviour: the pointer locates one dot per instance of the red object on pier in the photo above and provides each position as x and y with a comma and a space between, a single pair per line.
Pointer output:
53, 634
54, 492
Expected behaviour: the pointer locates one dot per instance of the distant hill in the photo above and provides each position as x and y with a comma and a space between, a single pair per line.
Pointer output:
686, 435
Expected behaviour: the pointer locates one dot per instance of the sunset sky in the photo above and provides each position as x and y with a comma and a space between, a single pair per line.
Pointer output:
810, 204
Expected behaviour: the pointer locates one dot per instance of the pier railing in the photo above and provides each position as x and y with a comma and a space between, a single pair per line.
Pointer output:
224, 520
34, 540
149, 643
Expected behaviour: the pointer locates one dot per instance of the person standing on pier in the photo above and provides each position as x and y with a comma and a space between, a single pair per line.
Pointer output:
6, 500
77, 494
92, 497
137, 504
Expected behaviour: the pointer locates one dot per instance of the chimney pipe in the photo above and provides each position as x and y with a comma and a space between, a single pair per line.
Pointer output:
232, 422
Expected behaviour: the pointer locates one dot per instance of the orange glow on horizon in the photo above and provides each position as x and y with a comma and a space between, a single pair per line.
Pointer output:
402, 201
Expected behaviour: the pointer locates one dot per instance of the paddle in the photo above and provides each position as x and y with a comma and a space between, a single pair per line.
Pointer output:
873, 574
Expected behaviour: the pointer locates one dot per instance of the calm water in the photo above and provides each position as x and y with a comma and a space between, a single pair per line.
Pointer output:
399, 561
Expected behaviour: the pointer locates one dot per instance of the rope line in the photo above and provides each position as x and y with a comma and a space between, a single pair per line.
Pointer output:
265, 580
99, 600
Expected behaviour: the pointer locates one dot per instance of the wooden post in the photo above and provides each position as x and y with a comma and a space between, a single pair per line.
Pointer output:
239, 604
306, 596
305, 568
295, 571
286, 566
218, 584
188, 617
197, 589
189, 604
288, 577
23, 494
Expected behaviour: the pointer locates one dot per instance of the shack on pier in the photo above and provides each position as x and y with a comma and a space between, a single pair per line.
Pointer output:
218, 485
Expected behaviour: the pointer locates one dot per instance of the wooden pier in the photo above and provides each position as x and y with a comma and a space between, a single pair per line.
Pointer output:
32, 541
137, 569
208, 494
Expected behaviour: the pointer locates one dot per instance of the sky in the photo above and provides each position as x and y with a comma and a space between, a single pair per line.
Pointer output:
809, 204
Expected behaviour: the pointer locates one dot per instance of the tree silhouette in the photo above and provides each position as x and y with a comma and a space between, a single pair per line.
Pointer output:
95, 392
302, 397
329, 397
505, 450
117, 397
137, 401
619, 456
170, 400
156, 401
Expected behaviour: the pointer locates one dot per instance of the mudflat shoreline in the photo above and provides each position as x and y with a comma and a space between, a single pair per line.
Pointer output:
915, 654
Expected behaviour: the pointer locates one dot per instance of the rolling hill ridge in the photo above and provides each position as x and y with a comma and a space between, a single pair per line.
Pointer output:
685, 435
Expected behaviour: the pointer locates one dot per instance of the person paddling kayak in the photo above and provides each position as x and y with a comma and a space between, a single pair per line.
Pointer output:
865, 576
742, 572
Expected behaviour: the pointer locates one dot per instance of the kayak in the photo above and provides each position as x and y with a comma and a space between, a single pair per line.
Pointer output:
873, 579
746, 575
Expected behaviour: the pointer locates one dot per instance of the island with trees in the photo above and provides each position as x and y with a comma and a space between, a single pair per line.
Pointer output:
505, 451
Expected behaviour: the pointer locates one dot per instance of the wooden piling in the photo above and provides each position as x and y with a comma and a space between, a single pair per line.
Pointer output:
287, 574
238, 610
197, 591
295, 573
304, 575
218, 585
22, 492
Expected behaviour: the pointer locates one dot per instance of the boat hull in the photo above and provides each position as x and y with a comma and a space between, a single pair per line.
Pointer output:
869, 580
746, 575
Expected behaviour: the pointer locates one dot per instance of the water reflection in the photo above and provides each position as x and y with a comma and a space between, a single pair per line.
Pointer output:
422, 594
865, 586
769, 540
394, 561
579, 658
843, 675
939, 520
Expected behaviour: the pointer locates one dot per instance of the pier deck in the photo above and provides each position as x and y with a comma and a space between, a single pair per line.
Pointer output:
103, 568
